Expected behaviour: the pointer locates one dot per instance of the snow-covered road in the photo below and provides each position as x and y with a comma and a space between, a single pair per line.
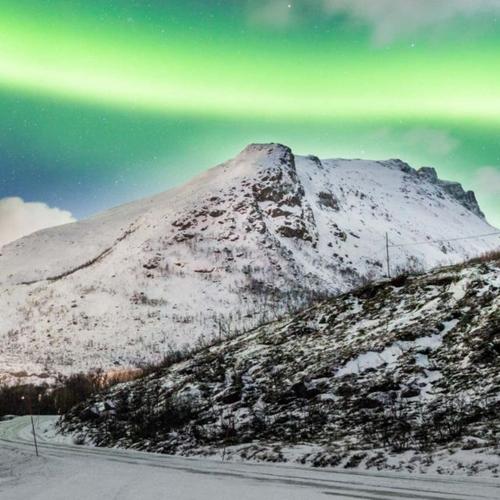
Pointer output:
68, 472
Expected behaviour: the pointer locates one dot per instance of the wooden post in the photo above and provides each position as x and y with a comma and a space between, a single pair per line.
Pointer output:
34, 435
387, 252
30, 410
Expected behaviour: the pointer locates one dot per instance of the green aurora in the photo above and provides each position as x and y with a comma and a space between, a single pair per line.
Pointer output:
102, 102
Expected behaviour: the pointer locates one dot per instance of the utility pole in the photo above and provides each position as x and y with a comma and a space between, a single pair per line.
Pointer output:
387, 252
28, 405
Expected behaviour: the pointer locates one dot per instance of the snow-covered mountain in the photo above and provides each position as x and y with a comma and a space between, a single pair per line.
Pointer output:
242, 243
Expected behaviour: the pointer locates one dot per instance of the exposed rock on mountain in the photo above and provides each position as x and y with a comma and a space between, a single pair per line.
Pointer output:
408, 366
245, 242
455, 189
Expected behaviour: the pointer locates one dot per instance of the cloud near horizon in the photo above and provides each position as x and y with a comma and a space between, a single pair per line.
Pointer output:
487, 180
388, 19
19, 218
438, 142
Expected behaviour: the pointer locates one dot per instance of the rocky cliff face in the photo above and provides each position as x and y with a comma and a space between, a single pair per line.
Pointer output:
246, 242
455, 189
397, 374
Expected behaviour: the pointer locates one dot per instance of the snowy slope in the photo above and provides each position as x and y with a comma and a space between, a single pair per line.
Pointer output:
400, 374
244, 242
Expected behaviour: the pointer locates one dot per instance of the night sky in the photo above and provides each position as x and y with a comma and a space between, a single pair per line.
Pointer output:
103, 102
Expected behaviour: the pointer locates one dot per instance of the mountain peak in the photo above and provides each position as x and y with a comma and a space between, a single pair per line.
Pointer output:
265, 156
269, 149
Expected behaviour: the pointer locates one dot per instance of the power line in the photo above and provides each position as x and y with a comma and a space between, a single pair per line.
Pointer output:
444, 240
388, 245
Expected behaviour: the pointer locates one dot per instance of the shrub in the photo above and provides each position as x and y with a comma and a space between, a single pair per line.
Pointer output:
59, 397
493, 255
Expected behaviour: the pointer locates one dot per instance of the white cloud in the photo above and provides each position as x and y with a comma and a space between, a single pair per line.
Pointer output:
273, 13
389, 19
437, 142
434, 141
19, 218
487, 181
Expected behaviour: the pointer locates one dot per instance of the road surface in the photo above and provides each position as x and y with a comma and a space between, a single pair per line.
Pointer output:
69, 472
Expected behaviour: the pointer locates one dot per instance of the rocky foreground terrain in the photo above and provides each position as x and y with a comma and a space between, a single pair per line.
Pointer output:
248, 241
398, 374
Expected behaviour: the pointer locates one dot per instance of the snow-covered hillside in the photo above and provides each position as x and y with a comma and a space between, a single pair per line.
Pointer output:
400, 374
242, 243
